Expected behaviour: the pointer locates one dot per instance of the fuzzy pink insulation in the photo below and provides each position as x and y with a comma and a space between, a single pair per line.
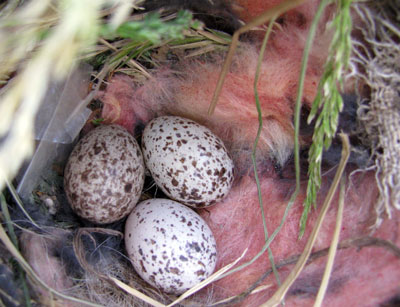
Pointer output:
363, 276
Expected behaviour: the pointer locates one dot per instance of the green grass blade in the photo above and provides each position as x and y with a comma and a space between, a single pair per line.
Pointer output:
253, 156
328, 101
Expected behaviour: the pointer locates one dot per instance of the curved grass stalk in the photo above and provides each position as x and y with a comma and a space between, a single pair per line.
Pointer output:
14, 239
253, 155
281, 292
259, 20
32, 274
292, 199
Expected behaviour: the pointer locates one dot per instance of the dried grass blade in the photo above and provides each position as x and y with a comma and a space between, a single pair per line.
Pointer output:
281, 292
259, 20
209, 280
18, 200
332, 248
214, 37
52, 60
261, 288
80, 253
224, 301
132, 62
14, 239
28, 269
192, 45
9, 298
136, 293
196, 288
201, 51
230, 299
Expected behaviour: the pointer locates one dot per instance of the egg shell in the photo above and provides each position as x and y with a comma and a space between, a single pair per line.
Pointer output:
187, 161
170, 246
104, 175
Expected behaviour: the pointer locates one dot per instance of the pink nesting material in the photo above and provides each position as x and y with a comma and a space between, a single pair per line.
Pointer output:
362, 276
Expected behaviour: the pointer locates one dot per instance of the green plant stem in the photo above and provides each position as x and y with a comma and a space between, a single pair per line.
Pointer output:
295, 272
7, 218
296, 146
304, 62
328, 102
290, 204
253, 155
14, 240
18, 200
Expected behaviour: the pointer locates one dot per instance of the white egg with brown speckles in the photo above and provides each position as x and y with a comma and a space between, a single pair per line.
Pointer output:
104, 175
170, 246
187, 161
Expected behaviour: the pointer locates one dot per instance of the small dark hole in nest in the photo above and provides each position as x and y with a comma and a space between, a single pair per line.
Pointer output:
393, 302
215, 15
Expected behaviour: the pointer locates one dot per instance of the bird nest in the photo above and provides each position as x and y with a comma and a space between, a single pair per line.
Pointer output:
44, 46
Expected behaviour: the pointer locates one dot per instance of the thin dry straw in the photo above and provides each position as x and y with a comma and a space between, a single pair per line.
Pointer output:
296, 123
28, 269
14, 239
69, 29
135, 292
19, 202
259, 20
333, 247
229, 300
207, 281
79, 251
358, 243
130, 61
185, 295
215, 37
281, 292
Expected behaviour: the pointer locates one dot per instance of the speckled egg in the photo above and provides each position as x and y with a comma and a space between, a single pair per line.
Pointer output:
187, 161
104, 175
170, 246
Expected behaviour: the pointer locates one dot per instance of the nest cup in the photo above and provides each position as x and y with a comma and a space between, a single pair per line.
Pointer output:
88, 260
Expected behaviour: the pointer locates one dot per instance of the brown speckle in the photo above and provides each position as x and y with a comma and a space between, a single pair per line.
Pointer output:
174, 271
128, 188
183, 258
200, 273
174, 182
